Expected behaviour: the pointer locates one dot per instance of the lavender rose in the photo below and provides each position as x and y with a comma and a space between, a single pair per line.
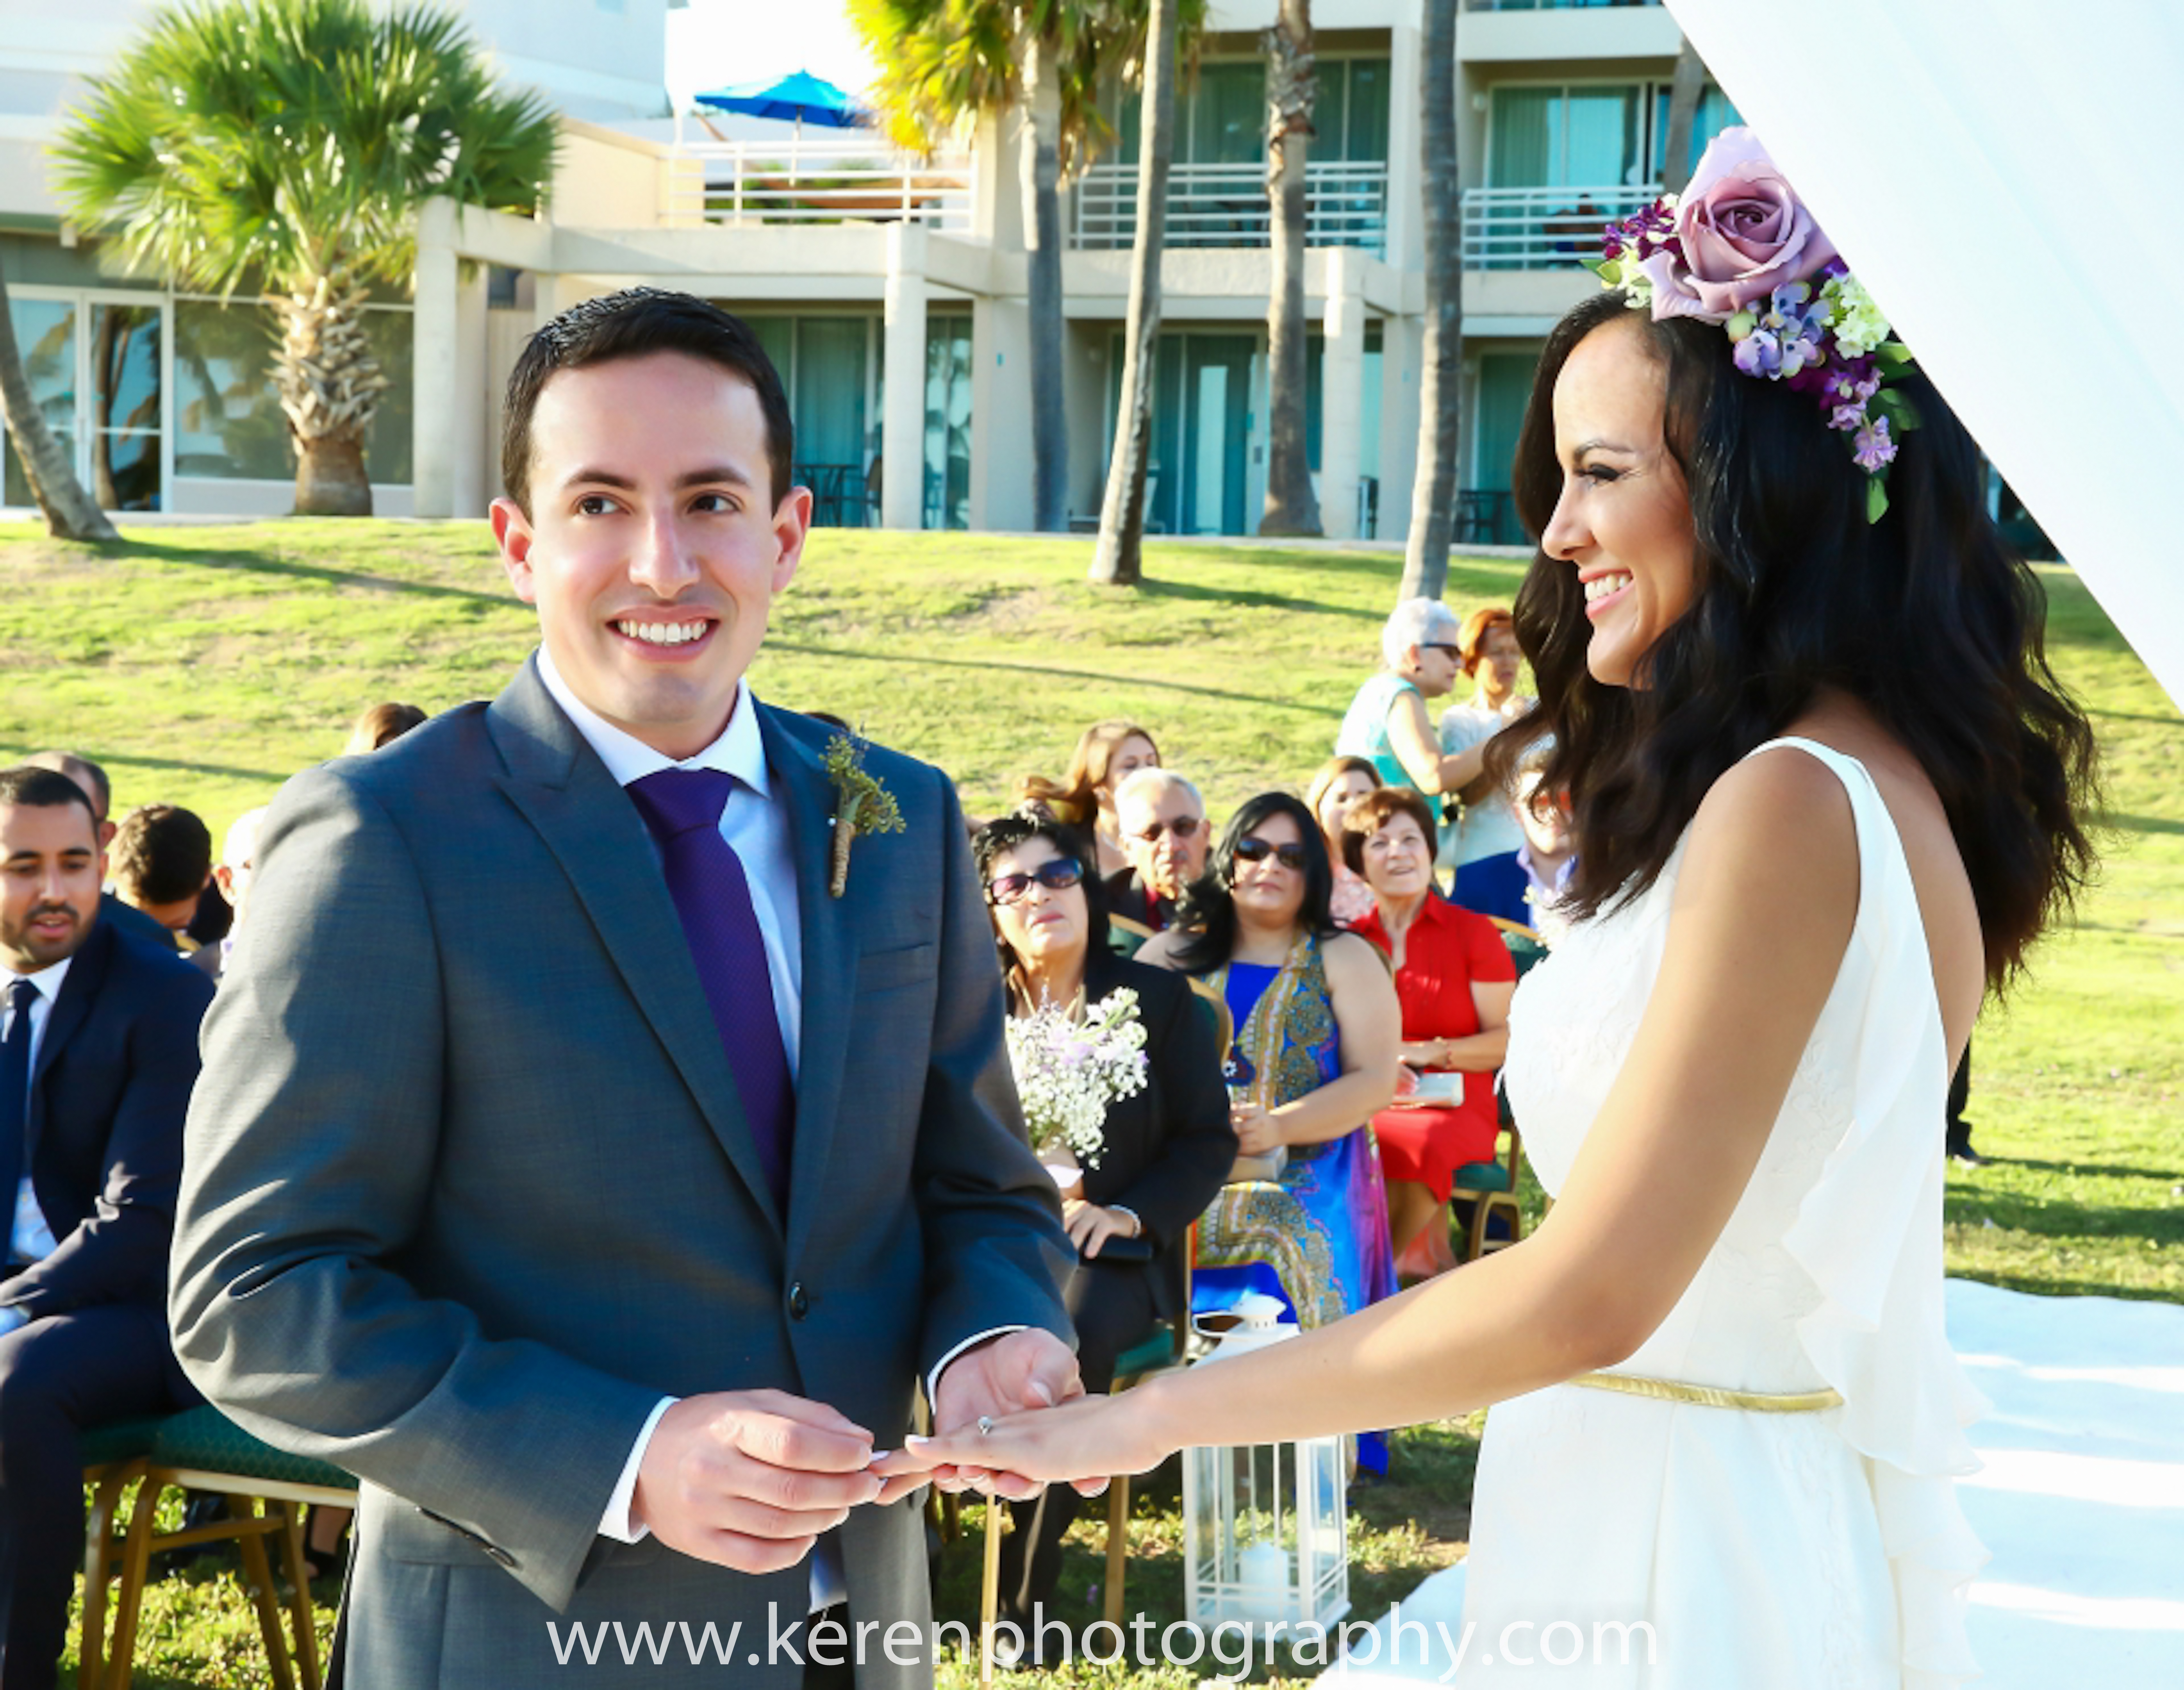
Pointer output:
1742, 232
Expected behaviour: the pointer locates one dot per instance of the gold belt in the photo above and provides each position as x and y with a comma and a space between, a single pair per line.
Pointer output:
1712, 1396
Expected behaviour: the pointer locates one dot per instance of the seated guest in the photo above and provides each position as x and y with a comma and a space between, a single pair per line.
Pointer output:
1482, 846
98, 1050
382, 724
1315, 1054
1388, 723
1548, 856
1163, 821
92, 781
161, 862
1107, 753
1454, 978
1339, 783
238, 851
1166, 1148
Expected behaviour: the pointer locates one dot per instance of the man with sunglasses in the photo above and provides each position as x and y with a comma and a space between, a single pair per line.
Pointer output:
1163, 822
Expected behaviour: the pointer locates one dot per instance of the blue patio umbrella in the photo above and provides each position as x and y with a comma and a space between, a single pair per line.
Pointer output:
795, 97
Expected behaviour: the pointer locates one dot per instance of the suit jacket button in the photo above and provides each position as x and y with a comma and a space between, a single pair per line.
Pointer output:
800, 1304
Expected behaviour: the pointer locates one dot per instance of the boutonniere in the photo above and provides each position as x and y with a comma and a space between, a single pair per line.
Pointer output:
861, 805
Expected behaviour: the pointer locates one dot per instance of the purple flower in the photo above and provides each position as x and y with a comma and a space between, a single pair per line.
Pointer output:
1849, 417
1760, 354
1873, 448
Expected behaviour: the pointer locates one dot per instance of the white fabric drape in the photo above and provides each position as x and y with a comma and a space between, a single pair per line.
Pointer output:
2006, 177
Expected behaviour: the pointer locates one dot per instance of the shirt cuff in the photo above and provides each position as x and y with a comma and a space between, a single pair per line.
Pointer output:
616, 1523
933, 1379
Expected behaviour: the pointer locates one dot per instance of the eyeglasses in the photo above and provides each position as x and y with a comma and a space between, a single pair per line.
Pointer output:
1184, 827
1453, 651
1255, 850
1056, 874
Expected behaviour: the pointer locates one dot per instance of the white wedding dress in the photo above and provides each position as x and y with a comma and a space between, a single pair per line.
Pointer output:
1811, 1550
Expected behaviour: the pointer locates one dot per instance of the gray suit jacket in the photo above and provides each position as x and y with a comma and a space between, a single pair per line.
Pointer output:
468, 1186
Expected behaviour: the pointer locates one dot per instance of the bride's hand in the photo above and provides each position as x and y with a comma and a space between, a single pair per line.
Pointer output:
1083, 1442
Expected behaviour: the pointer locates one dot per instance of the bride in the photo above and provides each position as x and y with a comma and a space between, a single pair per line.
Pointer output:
1826, 794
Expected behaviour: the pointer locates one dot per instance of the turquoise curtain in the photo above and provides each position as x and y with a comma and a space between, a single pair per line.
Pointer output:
1365, 135
1228, 115
947, 502
1524, 145
1715, 112
829, 395
1504, 385
1603, 145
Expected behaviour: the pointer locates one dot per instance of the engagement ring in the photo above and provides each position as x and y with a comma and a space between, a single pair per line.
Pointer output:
985, 1424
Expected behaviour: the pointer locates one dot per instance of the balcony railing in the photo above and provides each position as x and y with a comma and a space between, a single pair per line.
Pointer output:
1543, 228
1225, 205
854, 179
1550, 5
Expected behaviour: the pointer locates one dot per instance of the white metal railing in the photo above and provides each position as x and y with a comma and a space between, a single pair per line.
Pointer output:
1225, 205
1543, 228
857, 179
1550, 5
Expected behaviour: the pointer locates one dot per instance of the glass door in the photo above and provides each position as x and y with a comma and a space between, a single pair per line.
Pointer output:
45, 333
96, 370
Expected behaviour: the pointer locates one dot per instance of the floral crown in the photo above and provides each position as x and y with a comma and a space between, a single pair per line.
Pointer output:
1739, 248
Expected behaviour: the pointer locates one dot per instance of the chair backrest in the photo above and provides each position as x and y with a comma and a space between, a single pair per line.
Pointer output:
1526, 947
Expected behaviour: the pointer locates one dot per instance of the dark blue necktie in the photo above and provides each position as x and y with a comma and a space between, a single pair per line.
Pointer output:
15, 1106
683, 807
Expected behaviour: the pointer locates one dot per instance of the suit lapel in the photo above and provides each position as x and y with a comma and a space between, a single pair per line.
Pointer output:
596, 835
830, 962
79, 990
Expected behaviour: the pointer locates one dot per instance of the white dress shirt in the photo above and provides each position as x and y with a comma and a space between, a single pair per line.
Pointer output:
757, 829
30, 1237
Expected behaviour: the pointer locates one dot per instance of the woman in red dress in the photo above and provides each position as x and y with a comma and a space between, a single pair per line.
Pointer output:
1454, 978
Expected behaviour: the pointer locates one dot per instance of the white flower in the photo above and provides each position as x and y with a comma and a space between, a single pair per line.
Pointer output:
1068, 1071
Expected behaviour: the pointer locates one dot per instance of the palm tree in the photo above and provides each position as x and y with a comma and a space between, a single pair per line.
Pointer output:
69, 511
1684, 92
1116, 559
1291, 507
947, 61
287, 145
1441, 388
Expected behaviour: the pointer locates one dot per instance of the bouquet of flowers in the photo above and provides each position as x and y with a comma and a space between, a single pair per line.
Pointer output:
1069, 1071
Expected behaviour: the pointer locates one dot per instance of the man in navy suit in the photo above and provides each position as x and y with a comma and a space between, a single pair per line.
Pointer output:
97, 1054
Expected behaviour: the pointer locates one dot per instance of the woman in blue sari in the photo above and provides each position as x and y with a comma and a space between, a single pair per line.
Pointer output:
1315, 1053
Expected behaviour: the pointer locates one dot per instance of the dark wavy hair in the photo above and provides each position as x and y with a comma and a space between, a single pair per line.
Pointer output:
1206, 912
1036, 821
1926, 617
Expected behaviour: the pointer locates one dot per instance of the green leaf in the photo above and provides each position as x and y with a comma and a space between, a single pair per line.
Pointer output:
1892, 352
1876, 500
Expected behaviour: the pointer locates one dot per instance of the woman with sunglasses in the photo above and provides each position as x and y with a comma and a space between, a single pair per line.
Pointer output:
1315, 1054
1166, 1148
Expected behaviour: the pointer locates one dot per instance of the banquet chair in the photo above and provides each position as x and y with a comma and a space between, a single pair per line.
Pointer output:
1489, 1188
199, 1449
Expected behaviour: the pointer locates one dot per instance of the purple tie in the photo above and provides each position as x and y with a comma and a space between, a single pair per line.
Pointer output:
683, 807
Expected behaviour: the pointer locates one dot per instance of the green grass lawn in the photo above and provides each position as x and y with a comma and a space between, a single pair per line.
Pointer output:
202, 665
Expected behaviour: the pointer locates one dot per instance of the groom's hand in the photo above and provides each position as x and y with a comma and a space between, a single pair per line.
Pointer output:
748, 1479
1030, 1368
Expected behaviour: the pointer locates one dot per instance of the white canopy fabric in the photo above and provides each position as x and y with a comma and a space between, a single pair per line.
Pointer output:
2006, 178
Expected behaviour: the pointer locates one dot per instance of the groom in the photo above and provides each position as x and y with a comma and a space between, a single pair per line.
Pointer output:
574, 1163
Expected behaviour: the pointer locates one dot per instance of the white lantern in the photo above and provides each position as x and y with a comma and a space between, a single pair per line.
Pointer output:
1265, 1525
